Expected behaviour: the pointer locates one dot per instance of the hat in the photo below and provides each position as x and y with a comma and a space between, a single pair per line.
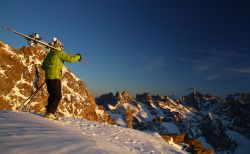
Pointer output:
56, 41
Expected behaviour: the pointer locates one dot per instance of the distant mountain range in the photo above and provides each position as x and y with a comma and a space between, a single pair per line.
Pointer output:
203, 118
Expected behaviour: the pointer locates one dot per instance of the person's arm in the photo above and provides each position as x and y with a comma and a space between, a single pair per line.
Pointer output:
67, 57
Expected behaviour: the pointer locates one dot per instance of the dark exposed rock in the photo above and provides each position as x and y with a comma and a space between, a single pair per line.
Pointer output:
145, 97
240, 98
236, 111
193, 145
199, 101
106, 99
177, 138
216, 133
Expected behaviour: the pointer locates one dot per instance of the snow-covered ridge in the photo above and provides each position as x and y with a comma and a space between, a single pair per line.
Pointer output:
28, 133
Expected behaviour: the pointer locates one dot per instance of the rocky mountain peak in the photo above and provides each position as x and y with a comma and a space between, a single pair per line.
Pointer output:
21, 74
241, 98
145, 97
124, 97
117, 100
106, 99
198, 100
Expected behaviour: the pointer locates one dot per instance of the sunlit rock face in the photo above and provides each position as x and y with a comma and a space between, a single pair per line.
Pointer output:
21, 75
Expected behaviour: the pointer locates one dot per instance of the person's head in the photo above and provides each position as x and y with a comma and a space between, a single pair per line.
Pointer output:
57, 43
37, 36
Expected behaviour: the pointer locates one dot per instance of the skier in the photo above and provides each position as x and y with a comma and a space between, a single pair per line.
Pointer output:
52, 65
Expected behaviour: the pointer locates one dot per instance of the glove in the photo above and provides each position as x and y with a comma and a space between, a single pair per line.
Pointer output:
80, 56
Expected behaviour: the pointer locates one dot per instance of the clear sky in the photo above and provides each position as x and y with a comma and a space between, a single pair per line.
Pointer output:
157, 46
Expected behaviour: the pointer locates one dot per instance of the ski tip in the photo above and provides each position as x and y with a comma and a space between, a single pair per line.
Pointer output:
2, 26
5, 27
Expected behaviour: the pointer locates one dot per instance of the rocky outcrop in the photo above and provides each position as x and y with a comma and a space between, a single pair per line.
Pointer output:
199, 101
216, 133
192, 145
177, 138
236, 111
240, 98
145, 98
105, 100
21, 75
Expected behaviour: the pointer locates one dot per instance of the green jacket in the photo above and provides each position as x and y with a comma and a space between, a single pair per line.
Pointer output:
54, 62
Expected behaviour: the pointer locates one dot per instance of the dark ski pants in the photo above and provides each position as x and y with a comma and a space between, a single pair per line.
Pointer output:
55, 95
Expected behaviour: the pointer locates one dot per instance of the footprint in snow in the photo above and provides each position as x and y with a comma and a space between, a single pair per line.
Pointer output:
135, 141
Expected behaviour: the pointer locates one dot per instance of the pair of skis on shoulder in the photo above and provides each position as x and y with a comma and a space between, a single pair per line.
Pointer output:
34, 39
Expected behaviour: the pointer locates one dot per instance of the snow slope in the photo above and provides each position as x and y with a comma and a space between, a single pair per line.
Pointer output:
22, 132
242, 141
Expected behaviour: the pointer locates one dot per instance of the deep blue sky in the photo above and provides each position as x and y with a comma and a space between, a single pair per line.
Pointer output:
162, 47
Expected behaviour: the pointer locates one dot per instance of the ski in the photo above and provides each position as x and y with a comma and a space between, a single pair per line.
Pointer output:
31, 38
28, 37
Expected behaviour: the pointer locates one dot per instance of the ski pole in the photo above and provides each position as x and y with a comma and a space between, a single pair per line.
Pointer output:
31, 96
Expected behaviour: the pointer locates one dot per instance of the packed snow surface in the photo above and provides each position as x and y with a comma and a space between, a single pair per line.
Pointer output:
22, 132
